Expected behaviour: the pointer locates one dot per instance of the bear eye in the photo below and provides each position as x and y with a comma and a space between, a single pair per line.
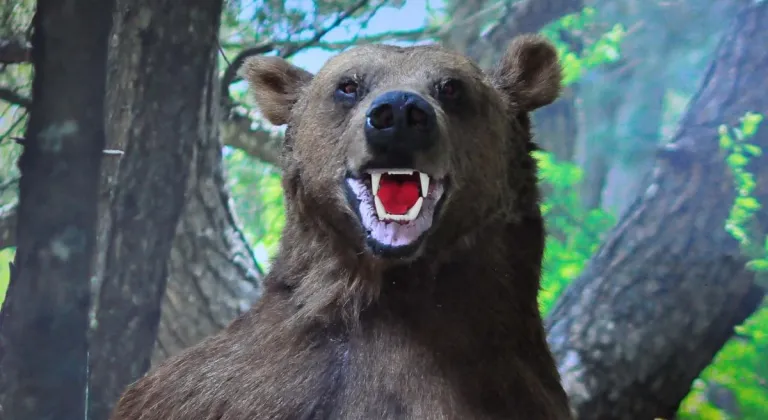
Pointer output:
347, 92
348, 88
449, 90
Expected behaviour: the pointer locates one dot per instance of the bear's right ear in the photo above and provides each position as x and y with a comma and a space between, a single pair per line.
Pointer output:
275, 84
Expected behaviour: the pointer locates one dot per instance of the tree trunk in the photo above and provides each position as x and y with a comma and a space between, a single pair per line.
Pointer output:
213, 272
44, 366
162, 115
664, 292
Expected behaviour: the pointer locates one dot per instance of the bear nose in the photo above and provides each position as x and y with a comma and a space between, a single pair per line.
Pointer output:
399, 121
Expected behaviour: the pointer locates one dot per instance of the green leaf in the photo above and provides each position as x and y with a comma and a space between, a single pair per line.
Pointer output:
726, 142
758, 265
750, 123
737, 161
753, 150
6, 257
739, 134
737, 232
749, 203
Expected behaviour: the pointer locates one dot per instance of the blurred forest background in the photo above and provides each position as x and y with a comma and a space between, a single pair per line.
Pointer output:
652, 167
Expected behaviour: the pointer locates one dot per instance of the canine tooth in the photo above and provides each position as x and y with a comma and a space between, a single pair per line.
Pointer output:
379, 208
424, 184
375, 179
413, 213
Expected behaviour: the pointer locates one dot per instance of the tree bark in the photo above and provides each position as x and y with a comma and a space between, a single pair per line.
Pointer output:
160, 116
664, 292
45, 319
213, 272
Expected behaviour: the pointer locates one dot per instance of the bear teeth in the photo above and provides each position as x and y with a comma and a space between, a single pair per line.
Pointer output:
412, 214
376, 179
424, 184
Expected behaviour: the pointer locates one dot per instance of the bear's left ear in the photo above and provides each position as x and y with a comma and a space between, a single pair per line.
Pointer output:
529, 73
275, 84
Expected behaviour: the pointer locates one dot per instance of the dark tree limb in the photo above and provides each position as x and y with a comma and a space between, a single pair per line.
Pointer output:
230, 74
14, 98
13, 51
288, 50
291, 49
45, 317
159, 116
666, 289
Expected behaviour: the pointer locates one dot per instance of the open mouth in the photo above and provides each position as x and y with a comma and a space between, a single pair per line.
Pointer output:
396, 206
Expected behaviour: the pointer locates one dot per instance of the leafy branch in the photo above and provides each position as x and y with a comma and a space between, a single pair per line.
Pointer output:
742, 223
412, 35
291, 50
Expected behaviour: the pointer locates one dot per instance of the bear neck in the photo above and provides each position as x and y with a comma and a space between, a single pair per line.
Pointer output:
491, 275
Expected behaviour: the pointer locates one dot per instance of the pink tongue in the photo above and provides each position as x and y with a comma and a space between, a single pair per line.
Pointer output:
397, 197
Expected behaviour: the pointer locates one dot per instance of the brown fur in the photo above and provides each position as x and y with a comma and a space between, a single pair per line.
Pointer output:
454, 332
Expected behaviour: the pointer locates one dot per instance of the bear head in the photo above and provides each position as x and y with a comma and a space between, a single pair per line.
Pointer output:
402, 152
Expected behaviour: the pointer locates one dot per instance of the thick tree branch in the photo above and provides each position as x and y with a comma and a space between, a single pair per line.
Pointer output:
236, 132
14, 98
14, 51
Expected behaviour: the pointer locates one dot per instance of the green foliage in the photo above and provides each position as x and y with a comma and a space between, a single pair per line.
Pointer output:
6, 257
574, 233
602, 51
298, 25
740, 372
741, 222
258, 198
735, 385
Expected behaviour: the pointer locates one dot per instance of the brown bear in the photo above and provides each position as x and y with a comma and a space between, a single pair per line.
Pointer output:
406, 281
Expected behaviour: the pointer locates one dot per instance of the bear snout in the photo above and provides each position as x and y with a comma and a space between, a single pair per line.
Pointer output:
400, 122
